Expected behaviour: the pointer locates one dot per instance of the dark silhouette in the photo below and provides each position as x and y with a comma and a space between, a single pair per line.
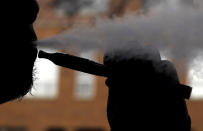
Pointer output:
18, 52
145, 93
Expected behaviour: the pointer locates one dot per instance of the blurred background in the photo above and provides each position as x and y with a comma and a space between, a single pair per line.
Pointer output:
66, 100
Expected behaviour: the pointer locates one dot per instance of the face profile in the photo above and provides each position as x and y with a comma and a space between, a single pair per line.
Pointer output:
18, 50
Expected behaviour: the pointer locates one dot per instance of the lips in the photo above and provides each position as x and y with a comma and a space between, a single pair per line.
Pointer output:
31, 46
34, 50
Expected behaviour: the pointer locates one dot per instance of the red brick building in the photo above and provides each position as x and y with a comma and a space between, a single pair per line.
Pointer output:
65, 111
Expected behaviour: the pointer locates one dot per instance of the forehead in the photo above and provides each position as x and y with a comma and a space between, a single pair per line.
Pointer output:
22, 11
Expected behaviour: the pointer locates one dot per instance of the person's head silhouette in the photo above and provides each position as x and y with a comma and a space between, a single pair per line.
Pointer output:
18, 53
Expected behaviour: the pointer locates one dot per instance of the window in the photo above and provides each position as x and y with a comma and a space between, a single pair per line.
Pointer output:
46, 83
98, 6
85, 83
196, 78
74, 7
146, 4
150, 3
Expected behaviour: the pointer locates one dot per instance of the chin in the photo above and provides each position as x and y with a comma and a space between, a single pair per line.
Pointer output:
18, 74
16, 88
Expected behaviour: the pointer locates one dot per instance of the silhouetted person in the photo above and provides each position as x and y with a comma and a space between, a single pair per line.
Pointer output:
145, 93
18, 52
